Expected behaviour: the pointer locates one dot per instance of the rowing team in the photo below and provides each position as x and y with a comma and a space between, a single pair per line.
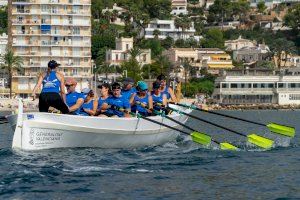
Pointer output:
113, 101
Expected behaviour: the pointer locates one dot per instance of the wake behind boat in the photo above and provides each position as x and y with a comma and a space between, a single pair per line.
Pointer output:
37, 130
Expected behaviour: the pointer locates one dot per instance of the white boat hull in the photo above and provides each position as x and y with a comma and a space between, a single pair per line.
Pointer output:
46, 131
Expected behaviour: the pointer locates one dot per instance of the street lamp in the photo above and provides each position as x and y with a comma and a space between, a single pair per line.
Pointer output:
94, 72
125, 73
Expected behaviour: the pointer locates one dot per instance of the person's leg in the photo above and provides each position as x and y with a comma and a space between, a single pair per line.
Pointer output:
43, 104
58, 103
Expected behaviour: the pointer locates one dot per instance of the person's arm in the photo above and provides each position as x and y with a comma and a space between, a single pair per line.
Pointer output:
61, 78
173, 97
38, 85
165, 100
127, 107
78, 104
150, 103
131, 101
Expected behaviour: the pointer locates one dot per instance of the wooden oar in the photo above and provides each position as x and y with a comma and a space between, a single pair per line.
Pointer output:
273, 127
252, 138
197, 136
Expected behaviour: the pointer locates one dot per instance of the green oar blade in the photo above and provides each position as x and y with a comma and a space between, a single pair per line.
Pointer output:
282, 129
260, 141
227, 146
201, 138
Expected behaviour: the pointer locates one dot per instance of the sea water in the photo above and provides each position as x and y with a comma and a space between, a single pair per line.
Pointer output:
180, 169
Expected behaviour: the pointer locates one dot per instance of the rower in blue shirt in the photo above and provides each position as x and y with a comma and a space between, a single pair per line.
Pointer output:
141, 102
117, 101
128, 88
103, 100
74, 99
165, 89
89, 107
159, 99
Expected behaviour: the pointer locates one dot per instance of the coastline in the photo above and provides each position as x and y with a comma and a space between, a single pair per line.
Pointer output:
11, 105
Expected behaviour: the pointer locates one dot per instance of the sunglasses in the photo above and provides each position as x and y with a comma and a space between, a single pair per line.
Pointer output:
69, 85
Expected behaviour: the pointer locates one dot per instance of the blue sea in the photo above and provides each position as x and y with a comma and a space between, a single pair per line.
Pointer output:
180, 169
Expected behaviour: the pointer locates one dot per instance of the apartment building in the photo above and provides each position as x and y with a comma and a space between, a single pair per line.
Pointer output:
213, 59
271, 3
258, 86
239, 43
3, 3
166, 29
42, 30
121, 53
179, 7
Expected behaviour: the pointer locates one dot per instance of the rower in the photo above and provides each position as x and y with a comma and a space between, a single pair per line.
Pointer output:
128, 88
102, 109
74, 99
53, 84
166, 89
142, 97
117, 101
89, 107
159, 99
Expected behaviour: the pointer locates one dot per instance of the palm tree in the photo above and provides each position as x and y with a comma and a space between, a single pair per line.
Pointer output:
104, 68
135, 65
156, 33
187, 68
10, 63
183, 22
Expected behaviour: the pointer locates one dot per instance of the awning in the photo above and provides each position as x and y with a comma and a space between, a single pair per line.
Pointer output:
219, 66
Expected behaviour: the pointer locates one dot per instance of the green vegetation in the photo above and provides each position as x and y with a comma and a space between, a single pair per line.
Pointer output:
3, 20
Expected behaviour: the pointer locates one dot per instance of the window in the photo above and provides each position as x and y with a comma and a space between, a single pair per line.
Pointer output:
224, 85
281, 85
234, 85
294, 97
127, 46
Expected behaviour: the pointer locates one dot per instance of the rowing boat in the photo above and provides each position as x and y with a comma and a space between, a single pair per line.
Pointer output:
36, 130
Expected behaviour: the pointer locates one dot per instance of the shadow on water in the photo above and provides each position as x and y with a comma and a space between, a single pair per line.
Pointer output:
175, 170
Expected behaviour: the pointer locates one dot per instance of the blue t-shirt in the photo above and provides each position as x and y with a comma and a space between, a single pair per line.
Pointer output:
127, 93
88, 106
140, 108
71, 99
51, 83
166, 91
157, 99
120, 102
101, 101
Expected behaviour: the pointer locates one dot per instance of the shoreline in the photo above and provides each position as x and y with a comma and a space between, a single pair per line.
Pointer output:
11, 105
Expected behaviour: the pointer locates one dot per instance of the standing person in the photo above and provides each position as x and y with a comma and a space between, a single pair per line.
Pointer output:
90, 104
165, 89
102, 109
117, 101
74, 99
142, 97
128, 88
53, 92
158, 97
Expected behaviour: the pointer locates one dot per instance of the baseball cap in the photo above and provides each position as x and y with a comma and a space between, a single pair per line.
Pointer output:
128, 80
116, 86
142, 86
53, 64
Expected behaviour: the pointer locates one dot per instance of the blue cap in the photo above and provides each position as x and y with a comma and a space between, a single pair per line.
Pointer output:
141, 86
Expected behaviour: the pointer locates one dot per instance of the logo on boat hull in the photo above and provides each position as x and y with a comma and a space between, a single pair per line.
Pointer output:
30, 116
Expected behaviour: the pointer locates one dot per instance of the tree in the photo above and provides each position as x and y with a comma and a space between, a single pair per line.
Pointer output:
281, 49
184, 23
11, 63
292, 18
220, 11
164, 64
241, 8
187, 67
167, 43
156, 33
3, 20
213, 39
261, 6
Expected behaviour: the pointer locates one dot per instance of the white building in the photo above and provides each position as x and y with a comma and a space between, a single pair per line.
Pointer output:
121, 53
258, 87
3, 3
179, 7
239, 43
167, 28
42, 30
3, 43
271, 3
